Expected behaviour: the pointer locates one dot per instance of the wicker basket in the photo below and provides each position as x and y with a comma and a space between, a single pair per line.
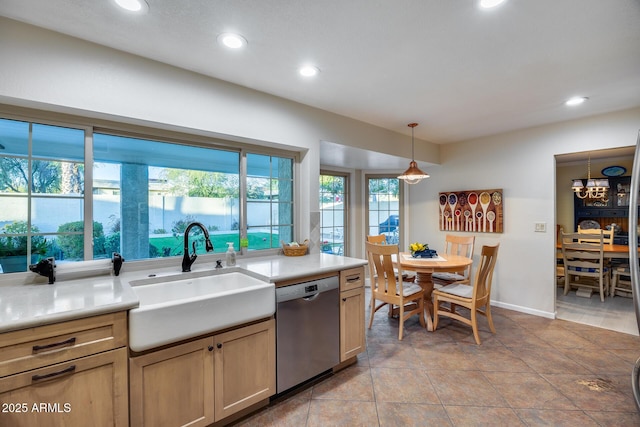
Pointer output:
295, 250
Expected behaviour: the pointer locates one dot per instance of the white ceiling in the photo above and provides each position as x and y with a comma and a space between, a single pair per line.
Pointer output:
459, 71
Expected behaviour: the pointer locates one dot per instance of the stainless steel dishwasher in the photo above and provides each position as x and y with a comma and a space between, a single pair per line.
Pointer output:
307, 330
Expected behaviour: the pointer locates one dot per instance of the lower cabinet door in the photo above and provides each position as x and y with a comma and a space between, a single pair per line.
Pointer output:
174, 386
352, 335
245, 367
89, 391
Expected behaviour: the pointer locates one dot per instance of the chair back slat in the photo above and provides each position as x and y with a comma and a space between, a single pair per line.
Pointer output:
484, 275
462, 246
584, 263
382, 271
379, 239
591, 235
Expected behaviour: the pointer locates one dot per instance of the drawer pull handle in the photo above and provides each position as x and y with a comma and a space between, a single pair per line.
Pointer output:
68, 370
70, 341
353, 279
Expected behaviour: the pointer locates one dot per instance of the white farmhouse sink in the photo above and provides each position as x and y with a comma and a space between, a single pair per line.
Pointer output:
181, 306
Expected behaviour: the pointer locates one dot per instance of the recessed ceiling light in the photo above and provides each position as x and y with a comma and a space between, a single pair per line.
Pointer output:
488, 4
309, 70
137, 6
232, 41
576, 100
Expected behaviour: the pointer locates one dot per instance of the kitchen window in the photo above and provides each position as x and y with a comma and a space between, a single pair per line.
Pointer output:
333, 218
41, 192
143, 194
383, 207
269, 195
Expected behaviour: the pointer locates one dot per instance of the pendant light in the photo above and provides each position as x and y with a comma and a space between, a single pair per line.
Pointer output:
595, 188
413, 175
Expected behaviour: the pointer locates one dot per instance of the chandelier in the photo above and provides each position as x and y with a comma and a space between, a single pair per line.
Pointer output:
595, 188
413, 175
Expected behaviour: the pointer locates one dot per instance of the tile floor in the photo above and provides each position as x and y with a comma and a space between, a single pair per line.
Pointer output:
533, 372
615, 313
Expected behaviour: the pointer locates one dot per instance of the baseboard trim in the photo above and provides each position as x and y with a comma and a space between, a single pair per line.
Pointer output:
526, 310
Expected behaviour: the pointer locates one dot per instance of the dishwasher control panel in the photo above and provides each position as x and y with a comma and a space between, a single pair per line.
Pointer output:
306, 289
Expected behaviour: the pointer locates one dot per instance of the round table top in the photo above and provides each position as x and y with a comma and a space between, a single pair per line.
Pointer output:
429, 265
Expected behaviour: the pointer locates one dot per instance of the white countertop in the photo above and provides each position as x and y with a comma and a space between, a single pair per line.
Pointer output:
28, 305
281, 268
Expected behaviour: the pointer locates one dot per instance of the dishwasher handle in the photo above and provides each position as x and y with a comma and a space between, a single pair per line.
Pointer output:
311, 297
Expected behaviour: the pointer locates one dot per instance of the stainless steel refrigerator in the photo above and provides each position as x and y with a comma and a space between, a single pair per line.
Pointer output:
633, 255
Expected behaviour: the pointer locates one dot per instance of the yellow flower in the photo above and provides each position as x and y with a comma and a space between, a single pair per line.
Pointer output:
418, 247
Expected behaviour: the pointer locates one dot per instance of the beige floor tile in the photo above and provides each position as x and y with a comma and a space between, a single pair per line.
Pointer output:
445, 356
495, 358
469, 388
539, 393
354, 383
596, 393
466, 416
615, 419
564, 338
390, 355
339, 413
600, 361
547, 417
402, 385
412, 414
549, 360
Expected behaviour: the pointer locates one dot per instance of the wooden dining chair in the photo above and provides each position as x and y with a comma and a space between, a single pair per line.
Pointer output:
476, 298
584, 263
456, 245
388, 289
380, 239
590, 235
621, 282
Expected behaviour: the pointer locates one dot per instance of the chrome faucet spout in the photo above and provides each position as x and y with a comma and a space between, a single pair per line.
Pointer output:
189, 259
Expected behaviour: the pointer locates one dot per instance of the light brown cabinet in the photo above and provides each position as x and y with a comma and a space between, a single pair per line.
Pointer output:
69, 373
206, 380
352, 335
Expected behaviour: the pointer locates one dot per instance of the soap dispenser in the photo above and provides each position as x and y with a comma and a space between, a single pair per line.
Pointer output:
231, 255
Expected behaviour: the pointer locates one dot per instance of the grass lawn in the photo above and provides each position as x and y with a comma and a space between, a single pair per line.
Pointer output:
174, 245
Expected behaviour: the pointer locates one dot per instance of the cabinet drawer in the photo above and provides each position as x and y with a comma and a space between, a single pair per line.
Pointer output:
90, 391
352, 278
33, 348
618, 213
588, 212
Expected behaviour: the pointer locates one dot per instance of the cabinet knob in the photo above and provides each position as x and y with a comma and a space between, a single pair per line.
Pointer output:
344, 300
219, 345
210, 348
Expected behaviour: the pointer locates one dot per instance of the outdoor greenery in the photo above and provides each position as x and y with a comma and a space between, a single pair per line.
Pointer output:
330, 187
17, 245
173, 246
384, 186
202, 184
46, 177
72, 245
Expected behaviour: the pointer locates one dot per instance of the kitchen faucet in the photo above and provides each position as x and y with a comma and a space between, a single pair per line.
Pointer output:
187, 259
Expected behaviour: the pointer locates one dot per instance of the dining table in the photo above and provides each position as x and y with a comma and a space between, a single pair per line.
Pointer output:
424, 268
609, 250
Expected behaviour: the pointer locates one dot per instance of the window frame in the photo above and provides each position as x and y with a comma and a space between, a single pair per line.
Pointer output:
90, 126
401, 226
346, 202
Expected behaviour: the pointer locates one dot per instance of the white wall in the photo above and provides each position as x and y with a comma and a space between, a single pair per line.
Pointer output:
522, 163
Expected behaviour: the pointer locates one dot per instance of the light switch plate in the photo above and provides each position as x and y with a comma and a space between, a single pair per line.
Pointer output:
540, 227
